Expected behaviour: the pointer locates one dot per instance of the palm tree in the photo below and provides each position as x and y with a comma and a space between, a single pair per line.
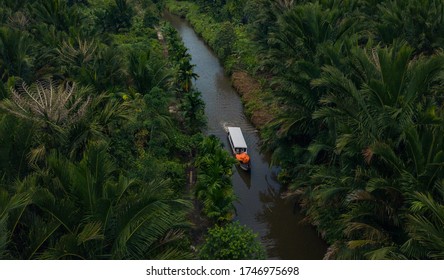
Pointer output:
193, 107
11, 209
15, 59
307, 37
118, 16
185, 74
214, 188
154, 226
16, 5
56, 13
51, 106
262, 17
107, 71
425, 227
377, 122
420, 23
77, 57
15, 200
90, 210
16, 137
147, 71
47, 103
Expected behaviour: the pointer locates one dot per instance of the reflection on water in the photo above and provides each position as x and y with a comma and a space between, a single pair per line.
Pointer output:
260, 205
245, 176
289, 241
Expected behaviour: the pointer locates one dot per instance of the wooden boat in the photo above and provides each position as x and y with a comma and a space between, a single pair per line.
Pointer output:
239, 147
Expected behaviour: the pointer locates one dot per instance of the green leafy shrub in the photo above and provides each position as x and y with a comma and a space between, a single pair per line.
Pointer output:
117, 17
214, 188
232, 242
225, 38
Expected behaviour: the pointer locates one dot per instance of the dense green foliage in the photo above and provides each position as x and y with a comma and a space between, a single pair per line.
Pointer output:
214, 187
94, 138
99, 121
360, 133
231, 242
228, 39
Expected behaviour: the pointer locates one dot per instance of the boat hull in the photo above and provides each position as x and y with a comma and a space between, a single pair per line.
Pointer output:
245, 167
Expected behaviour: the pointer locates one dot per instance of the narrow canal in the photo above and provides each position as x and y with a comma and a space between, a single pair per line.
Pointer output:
260, 205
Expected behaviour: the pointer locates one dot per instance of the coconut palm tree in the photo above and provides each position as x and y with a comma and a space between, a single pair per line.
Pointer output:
90, 210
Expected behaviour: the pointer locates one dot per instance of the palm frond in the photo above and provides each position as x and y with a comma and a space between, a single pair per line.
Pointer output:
91, 231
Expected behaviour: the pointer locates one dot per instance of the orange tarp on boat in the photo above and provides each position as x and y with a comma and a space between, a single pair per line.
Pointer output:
243, 157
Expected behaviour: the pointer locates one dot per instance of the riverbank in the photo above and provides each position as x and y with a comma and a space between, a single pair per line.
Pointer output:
258, 101
260, 205
356, 128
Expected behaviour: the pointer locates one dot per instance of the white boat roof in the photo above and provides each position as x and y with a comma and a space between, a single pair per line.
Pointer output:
237, 137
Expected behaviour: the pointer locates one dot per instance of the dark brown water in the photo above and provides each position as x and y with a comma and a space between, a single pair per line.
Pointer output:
260, 206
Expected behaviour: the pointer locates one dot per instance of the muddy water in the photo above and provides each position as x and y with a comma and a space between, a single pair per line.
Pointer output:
260, 206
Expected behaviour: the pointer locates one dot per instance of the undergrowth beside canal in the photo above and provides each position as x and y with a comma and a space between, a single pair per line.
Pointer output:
236, 52
358, 133
210, 173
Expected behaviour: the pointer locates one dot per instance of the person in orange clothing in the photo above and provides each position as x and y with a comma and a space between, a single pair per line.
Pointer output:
243, 157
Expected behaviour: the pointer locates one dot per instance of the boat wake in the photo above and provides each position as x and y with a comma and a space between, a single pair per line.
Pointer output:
225, 126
